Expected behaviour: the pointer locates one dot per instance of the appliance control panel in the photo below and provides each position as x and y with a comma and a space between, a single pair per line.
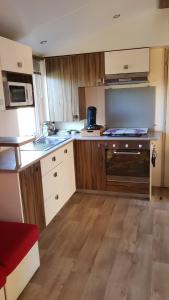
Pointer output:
144, 145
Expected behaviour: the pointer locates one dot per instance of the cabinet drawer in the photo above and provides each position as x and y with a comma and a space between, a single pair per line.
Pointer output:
52, 207
52, 160
52, 181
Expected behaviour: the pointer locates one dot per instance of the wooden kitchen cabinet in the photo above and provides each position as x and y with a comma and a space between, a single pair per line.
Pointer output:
90, 69
37, 193
22, 196
32, 195
58, 178
15, 57
65, 74
89, 165
110, 166
127, 61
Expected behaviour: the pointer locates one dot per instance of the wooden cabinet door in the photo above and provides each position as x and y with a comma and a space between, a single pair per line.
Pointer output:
89, 165
90, 69
15, 57
32, 196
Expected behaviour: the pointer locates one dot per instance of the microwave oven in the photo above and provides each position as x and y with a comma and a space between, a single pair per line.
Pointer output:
18, 94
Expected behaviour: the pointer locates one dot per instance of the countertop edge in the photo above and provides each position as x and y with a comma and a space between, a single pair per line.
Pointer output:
42, 154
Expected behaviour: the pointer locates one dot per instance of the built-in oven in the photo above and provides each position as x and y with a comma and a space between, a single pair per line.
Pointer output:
127, 166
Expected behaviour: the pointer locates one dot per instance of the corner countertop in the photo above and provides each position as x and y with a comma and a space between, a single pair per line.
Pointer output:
15, 141
7, 158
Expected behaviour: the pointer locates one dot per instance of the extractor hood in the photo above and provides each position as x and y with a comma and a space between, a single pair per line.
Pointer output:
127, 66
127, 78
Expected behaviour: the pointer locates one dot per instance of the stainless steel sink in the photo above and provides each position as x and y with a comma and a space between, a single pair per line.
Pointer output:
43, 143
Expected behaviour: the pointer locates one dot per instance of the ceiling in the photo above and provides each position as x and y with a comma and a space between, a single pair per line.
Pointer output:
69, 24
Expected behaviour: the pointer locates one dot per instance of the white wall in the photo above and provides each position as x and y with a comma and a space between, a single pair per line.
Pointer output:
17, 122
95, 96
9, 123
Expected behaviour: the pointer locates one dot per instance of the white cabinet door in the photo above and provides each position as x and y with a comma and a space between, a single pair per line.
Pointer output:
58, 183
127, 61
69, 186
52, 182
2, 99
15, 57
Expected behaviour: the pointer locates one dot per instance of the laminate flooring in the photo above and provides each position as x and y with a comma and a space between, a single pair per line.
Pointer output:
104, 248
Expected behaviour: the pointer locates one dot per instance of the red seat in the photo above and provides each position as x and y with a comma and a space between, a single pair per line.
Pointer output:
16, 239
2, 277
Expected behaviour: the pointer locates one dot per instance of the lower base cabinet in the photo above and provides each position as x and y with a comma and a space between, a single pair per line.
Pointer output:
58, 180
89, 162
37, 193
113, 166
32, 195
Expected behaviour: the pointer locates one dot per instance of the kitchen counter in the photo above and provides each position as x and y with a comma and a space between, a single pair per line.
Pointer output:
8, 163
15, 141
152, 136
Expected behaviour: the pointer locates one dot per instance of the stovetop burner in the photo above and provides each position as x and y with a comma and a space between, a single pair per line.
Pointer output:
126, 132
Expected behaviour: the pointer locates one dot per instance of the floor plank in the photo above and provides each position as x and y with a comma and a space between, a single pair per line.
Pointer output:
105, 248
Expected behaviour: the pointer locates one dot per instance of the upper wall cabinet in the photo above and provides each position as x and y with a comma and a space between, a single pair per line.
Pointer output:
15, 57
127, 61
65, 75
90, 69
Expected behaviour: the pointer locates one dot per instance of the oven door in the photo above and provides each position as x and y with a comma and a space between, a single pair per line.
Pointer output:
17, 94
127, 165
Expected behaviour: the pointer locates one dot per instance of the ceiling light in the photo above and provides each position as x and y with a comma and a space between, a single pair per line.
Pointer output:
43, 42
116, 16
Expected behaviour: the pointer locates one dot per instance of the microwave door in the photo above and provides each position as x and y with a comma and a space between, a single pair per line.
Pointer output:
17, 95
29, 94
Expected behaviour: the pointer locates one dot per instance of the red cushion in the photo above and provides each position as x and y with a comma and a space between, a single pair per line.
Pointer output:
16, 239
2, 277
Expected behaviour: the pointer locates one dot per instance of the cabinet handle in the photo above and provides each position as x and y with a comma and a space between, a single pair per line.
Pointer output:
19, 64
55, 174
65, 151
125, 67
56, 197
53, 158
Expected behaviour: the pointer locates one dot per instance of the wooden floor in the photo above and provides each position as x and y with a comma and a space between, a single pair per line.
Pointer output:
105, 248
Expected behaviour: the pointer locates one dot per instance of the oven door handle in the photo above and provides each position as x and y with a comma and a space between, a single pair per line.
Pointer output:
126, 153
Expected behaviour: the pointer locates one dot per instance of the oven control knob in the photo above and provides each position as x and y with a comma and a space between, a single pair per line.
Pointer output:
126, 145
140, 146
114, 145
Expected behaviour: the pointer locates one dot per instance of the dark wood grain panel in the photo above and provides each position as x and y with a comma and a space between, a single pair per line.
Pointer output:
64, 75
91, 169
163, 3
90, 69
89, 162
128, 187
82, 103
32, 196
